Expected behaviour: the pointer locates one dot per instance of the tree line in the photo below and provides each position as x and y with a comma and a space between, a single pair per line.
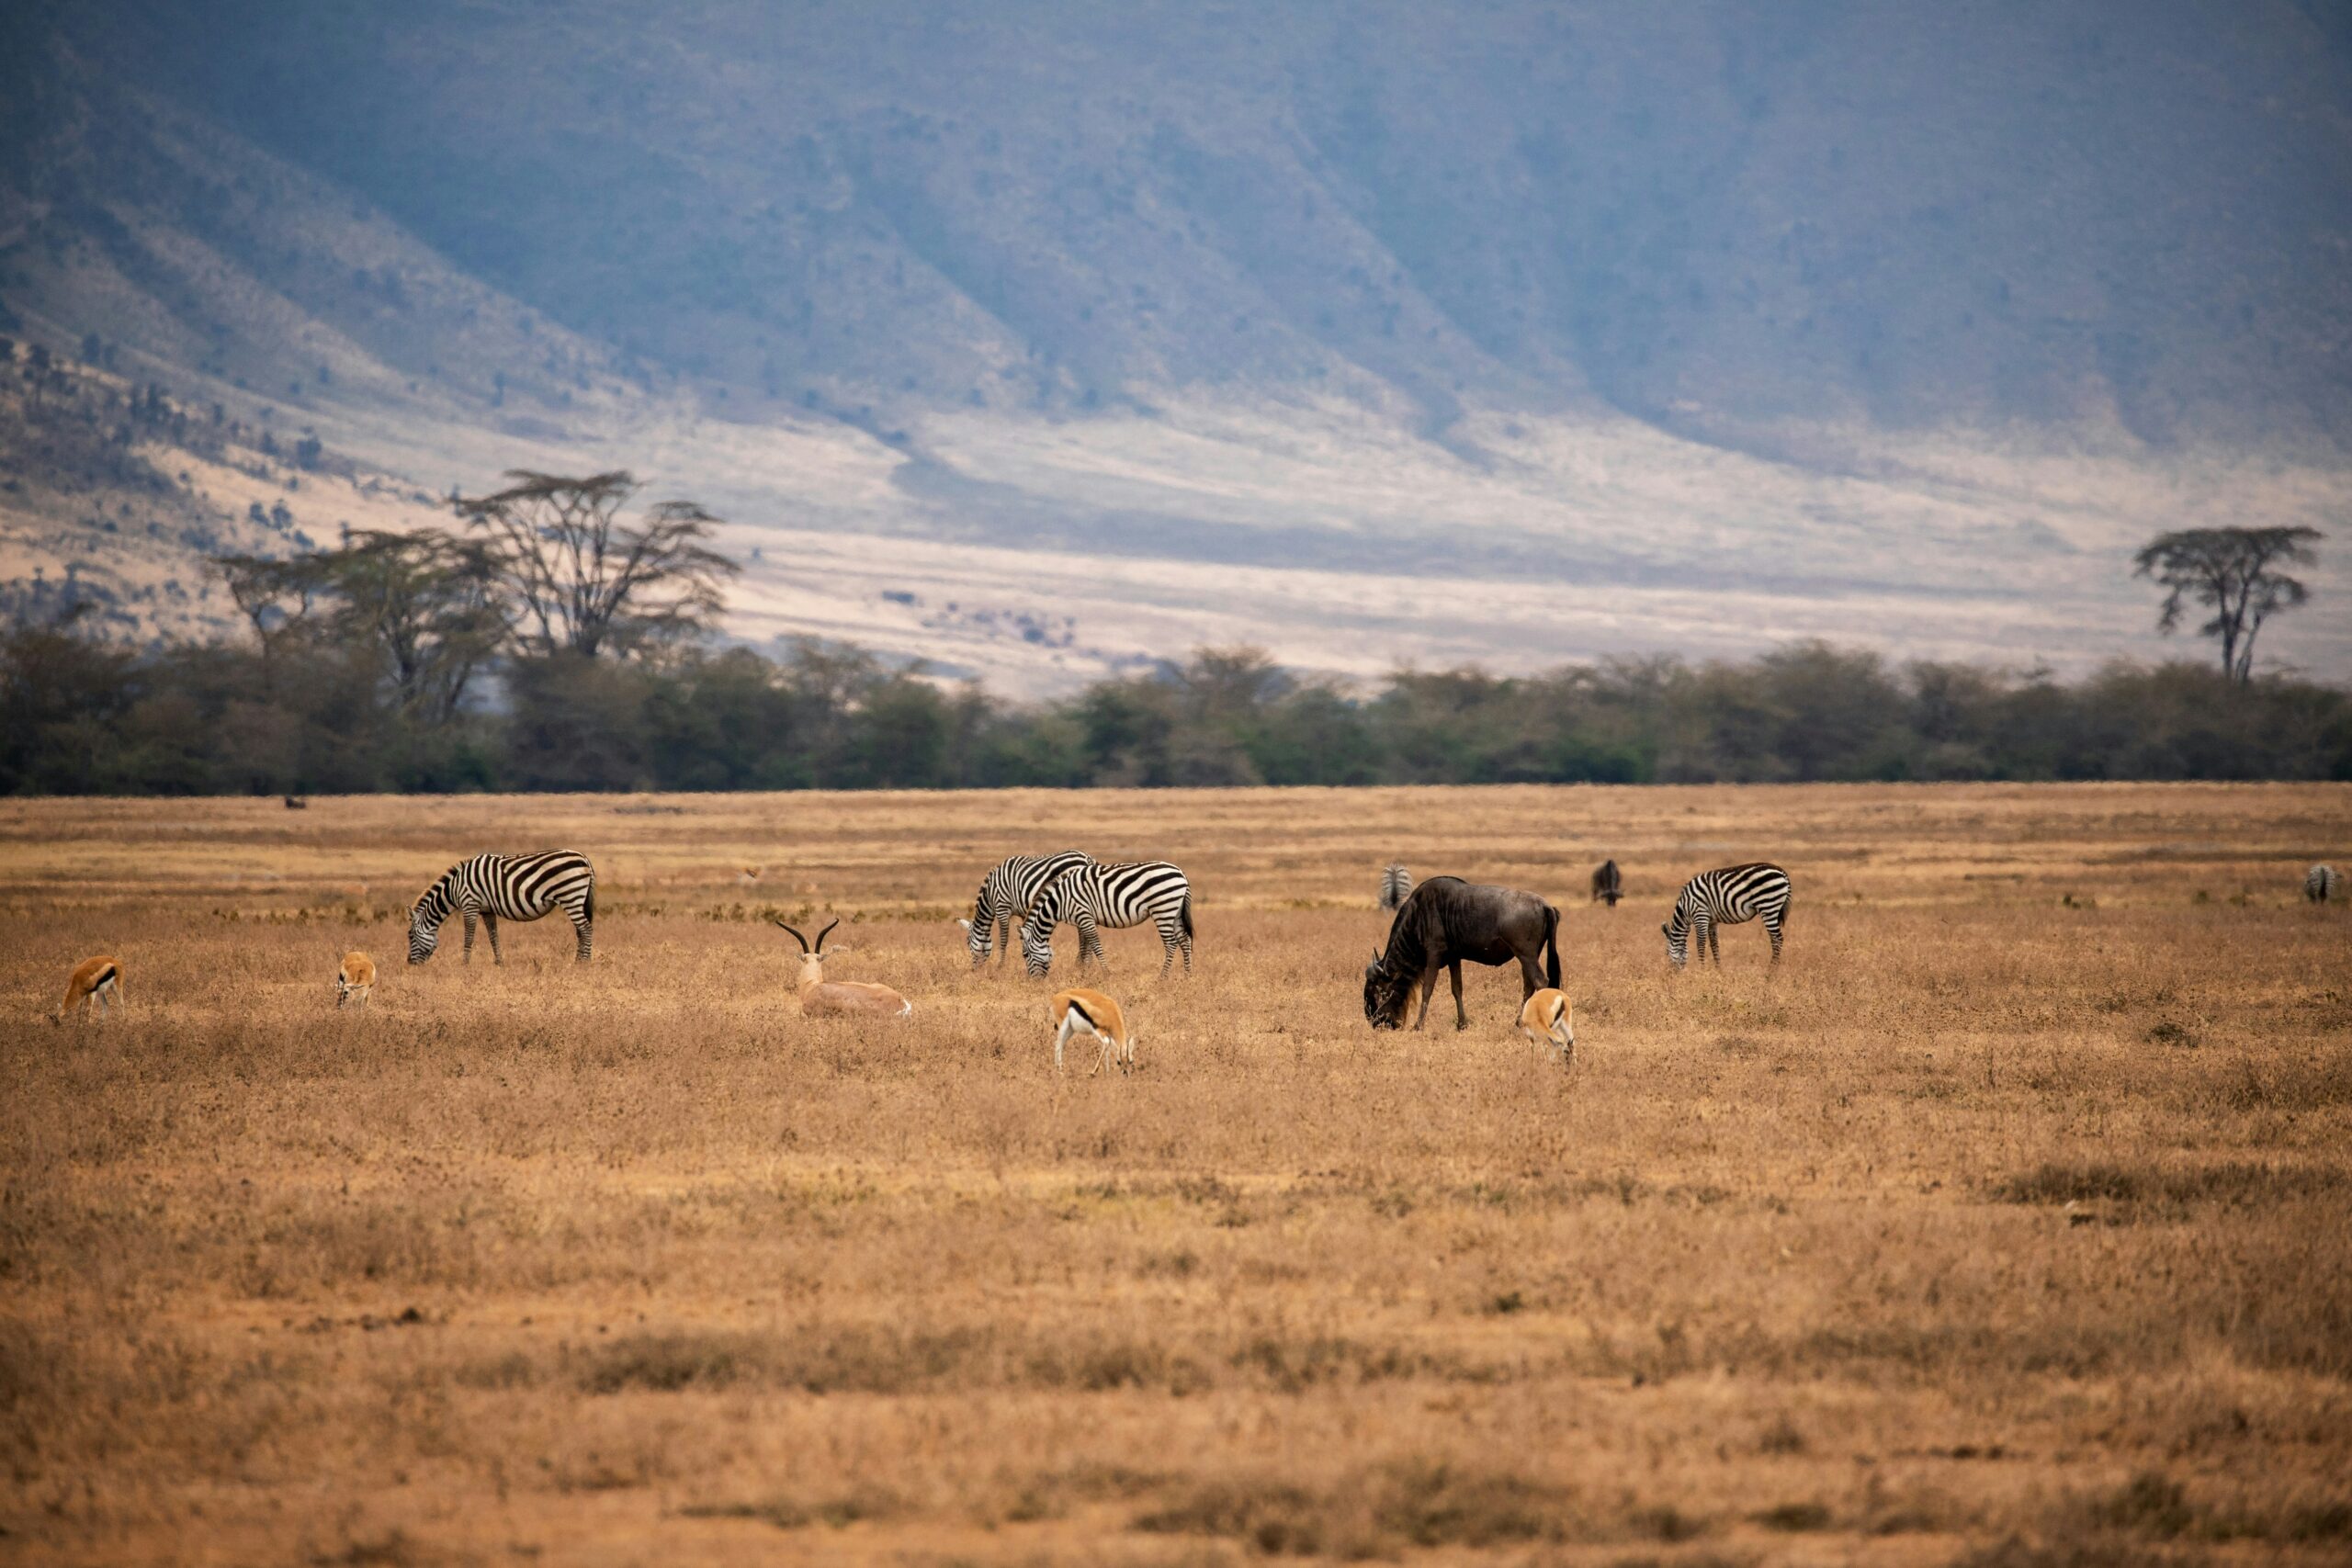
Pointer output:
552, 642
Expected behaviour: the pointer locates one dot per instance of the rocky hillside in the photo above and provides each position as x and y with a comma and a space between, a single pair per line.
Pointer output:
1309, 325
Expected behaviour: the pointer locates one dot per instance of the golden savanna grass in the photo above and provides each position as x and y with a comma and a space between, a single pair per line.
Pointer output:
2006, 1225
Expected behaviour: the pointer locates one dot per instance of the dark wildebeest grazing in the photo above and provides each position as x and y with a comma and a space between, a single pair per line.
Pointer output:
1447, 922
1607, 883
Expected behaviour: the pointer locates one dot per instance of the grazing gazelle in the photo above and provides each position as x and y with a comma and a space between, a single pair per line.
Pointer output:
354, 977
1549, 1020
1091, 1012
96, 983
820, 996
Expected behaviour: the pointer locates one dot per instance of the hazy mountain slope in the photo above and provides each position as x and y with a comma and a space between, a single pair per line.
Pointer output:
1042, 341
2118, 212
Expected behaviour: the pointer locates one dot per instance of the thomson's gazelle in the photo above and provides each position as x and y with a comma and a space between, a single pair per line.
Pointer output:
1549, 1021
354, 978
1091, 1012
96, 983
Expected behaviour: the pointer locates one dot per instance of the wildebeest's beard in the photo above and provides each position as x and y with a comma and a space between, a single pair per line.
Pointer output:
1385, 995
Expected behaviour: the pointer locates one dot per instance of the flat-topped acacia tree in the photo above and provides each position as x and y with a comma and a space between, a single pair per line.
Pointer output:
586, 581
2234, 572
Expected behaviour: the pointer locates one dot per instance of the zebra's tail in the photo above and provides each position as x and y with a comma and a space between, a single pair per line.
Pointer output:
1185, 913
1551, 947
588, 903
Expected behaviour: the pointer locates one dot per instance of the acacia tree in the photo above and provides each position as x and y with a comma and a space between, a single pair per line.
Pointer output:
583, 579
430, 603
276, 596
2232, 571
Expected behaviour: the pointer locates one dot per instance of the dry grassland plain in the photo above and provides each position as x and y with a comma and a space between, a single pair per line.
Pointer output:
2009, 1224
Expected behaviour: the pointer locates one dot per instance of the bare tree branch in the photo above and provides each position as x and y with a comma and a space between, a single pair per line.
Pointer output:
587, 581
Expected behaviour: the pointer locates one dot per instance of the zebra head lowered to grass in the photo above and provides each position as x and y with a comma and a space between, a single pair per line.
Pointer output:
1396, 885
1730, 896
1094, 895
1004, 900
514, 887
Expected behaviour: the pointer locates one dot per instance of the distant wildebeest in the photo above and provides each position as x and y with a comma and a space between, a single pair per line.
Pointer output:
1396, 883
1447, 922
1608, 883
1727, 897
2319, 882
296, 802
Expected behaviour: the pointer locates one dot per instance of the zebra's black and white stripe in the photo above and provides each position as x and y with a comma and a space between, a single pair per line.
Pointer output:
1395, 883
1730, 896
1005, 896
2320, 883
1092, 896
511, 888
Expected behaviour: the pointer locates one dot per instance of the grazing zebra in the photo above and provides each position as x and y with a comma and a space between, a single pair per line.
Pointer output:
513, 887
1395, 883
1090, 895
1608, 883
1006, 893
1727, 897
2319, 882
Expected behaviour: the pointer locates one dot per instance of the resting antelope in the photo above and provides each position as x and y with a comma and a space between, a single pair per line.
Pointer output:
355, 977
1549, 1018
819, 994
1091, 1012
96, 983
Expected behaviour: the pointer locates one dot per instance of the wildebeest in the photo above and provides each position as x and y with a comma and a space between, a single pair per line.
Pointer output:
1447, 922
1607, 883
1395, 884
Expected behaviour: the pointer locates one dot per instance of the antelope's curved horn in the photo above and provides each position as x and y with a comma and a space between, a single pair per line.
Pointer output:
826, 932
795, 935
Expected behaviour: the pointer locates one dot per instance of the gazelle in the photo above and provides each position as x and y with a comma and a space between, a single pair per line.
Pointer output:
1091, 1012
820, 995
1549, 1020
354, 977
96, 983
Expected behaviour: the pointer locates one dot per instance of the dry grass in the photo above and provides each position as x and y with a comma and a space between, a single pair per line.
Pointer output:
2006, 1225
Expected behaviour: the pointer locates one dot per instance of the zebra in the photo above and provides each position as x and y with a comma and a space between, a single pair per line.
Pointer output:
2319, 882
1093, 895
1396, 883
1005, 896
516, 887
1730, 896
1608, 883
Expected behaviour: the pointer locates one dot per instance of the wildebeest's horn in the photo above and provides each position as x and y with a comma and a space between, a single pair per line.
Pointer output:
795, 935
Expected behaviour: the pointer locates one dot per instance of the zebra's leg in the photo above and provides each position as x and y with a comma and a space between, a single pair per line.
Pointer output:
1772, 928
1090, 943
490, 930
1715, 943
469, 936
1461, 1019
586, 929
1169, 937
